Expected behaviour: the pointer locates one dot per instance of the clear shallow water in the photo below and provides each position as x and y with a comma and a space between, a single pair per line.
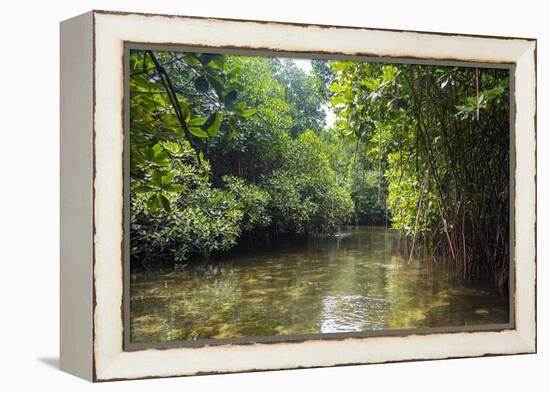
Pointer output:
359, 281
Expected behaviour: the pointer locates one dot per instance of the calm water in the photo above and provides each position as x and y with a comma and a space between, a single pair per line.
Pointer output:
356, 282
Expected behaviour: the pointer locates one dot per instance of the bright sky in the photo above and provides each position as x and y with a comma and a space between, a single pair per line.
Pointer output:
305, 65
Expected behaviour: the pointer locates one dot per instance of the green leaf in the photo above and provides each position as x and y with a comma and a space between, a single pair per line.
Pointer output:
198, 132
157, 178
166, 179
337, 100
231, 97
191, 58
152, 203
160, 157
240, 109
165, 203
201, 84
185, 111
157, 148
238, 106
142, 189
174, 187
219, 61
197, 121
134, 63
212, 124
216, 84
248, 112
205, 58
148, 63
149, 154
213, 60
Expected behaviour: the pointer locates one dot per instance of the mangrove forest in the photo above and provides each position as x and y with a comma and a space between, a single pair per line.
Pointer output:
278, 196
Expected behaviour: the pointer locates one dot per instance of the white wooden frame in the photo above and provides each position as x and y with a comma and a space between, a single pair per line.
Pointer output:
92, 140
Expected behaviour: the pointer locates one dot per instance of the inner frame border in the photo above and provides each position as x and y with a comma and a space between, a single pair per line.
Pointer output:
247, 51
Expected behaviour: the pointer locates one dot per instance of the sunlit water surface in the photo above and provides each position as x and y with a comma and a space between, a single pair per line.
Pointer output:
359, 281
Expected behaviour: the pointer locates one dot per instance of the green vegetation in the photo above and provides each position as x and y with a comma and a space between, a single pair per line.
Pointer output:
234, 152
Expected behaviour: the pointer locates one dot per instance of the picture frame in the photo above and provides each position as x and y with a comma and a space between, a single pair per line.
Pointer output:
94, 247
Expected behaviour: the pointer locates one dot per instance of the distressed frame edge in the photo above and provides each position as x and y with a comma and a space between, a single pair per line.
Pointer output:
305, 25
528, 343
76, 196
526, 289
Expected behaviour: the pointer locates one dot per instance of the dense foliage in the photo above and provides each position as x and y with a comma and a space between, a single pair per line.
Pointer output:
440, 139
227, 151
227, 156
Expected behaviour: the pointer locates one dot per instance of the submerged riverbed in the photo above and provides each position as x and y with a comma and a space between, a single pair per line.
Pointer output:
358, 281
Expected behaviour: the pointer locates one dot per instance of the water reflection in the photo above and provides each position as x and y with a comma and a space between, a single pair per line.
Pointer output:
350, 313
356, 282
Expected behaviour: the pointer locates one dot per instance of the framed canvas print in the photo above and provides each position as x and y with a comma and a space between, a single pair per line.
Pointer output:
245, 195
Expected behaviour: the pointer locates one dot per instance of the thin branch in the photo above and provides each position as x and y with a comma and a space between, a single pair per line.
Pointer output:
172, 95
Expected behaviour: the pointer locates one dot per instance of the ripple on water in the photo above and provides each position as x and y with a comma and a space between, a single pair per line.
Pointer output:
352, 313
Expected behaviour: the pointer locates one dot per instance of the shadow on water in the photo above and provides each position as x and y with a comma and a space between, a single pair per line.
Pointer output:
360, 280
